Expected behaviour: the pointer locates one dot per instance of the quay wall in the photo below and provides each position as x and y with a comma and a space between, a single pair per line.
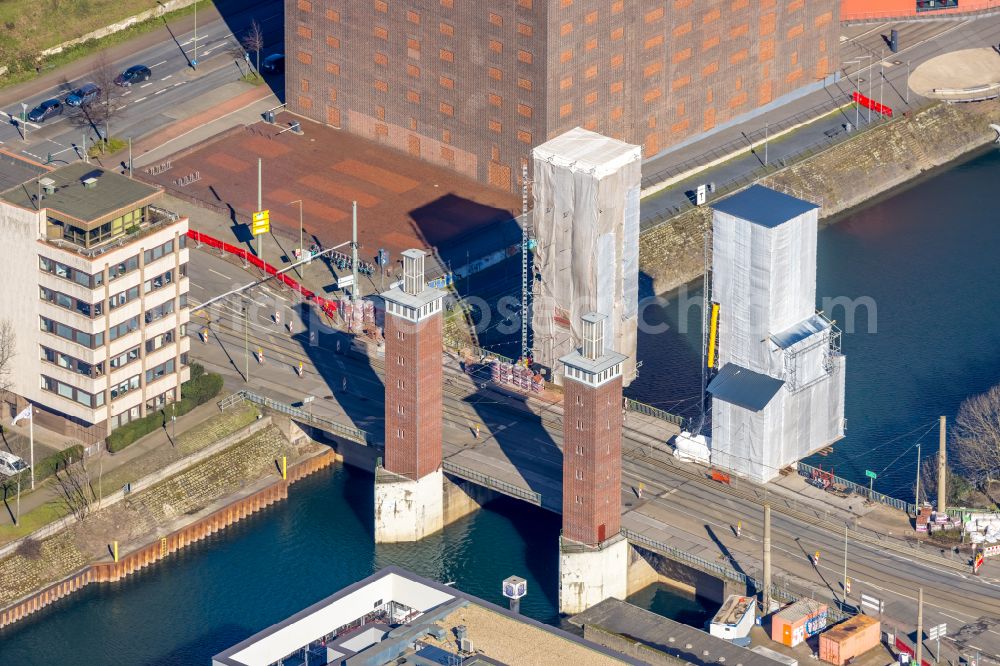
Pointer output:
205, 523
841, 177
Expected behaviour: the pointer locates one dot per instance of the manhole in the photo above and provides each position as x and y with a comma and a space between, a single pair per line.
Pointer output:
897, 62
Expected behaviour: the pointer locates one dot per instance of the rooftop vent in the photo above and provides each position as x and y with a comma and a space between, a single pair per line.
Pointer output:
90, 183
593, 335
413, 272
48, 185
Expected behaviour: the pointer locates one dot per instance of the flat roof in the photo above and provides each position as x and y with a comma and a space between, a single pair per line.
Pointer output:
15, 170
497, 632
665, 635
802, 608
744, 388
734, 609
111, 192
848, 627
763, 206
582, 150
800, 331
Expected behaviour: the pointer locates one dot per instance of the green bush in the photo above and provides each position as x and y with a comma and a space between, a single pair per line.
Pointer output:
198, 390
47, 466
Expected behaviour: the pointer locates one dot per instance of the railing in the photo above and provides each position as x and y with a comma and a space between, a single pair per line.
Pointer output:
339, 429
657, 413
491, 482
364, 438
907, 507
929, 13
721, 570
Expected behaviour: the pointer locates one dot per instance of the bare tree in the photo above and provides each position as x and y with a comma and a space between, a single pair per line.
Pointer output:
108, 104
74, 489
8, 348
253, 40
976, 437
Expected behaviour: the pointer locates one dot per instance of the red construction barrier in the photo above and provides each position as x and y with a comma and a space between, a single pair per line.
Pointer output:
869, 103
903, 647
328, 306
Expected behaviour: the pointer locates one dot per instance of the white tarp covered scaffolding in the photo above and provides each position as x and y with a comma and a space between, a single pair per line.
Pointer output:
586, 222
779, 392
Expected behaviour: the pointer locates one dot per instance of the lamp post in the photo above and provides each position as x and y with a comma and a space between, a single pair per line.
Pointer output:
301, 248
194, 59
246, 342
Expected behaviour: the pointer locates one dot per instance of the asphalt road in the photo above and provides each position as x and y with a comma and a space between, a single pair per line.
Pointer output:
679, 506
145, 106
864, 57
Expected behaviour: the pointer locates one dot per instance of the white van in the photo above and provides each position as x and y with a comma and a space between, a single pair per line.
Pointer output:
11, 464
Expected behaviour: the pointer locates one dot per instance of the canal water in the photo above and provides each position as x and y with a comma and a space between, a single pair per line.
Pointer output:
219, 591
926, 258
919, 271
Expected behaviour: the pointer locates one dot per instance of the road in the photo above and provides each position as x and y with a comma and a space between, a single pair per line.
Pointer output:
864, 57
151, 105
679, 507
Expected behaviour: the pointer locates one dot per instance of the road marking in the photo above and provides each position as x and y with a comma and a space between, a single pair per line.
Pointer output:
136, 101
166, 77
63, 151
193, 284
953, 617
212, 270
162, 62
144, 85
163, 90
179, 83
126, 94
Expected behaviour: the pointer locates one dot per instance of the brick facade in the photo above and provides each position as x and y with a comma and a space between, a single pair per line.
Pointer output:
475, 85
592, 474
413, 395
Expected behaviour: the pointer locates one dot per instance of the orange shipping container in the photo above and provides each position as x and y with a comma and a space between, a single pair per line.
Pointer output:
795, 623
849, 639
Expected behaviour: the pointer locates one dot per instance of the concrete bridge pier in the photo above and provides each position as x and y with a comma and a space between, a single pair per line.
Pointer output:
407, 509
590, 574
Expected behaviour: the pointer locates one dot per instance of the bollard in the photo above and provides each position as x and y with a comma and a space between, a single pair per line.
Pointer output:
114, 550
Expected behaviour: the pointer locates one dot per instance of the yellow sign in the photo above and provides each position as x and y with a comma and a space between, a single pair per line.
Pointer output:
261, 222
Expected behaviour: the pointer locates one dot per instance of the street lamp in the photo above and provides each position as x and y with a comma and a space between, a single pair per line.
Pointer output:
246, 342
194, 59
299, 202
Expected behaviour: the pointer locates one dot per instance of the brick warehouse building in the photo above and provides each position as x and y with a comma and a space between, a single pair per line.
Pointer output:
475, 85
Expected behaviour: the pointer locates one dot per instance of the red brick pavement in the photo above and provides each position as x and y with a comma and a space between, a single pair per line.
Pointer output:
402, 202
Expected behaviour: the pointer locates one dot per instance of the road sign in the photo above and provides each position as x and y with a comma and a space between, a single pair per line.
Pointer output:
937, 632
870, 474
309, 398
847, 586
345, 281
871, 602
383, 256
261, 222
701, 194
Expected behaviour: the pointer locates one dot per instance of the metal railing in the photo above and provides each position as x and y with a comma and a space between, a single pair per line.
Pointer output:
492, 482
338, 429
907, 507
657, 413
721, 570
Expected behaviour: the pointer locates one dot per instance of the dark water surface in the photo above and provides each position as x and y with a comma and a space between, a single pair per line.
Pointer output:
920, 270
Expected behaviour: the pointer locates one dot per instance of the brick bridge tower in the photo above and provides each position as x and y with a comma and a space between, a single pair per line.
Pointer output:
408, 489
593, 555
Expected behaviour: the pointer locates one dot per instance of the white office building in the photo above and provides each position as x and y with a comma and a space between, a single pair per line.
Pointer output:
96, 285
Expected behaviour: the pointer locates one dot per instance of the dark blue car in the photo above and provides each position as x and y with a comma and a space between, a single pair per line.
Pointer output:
134, 74
45, 110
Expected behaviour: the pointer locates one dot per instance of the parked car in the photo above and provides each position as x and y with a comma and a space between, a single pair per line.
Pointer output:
45, 110
83, 95
11, 464
273, 64
134, 74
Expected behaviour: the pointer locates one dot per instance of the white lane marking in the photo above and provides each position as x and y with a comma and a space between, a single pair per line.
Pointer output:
63, 151
193, 284
4, 114
162, 62
146, 85
126, 94
160, 91
136, 101
166, 77
179, 83
212, 270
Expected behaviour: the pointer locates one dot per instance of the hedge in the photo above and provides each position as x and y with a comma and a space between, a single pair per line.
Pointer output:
47, 466
198, 390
